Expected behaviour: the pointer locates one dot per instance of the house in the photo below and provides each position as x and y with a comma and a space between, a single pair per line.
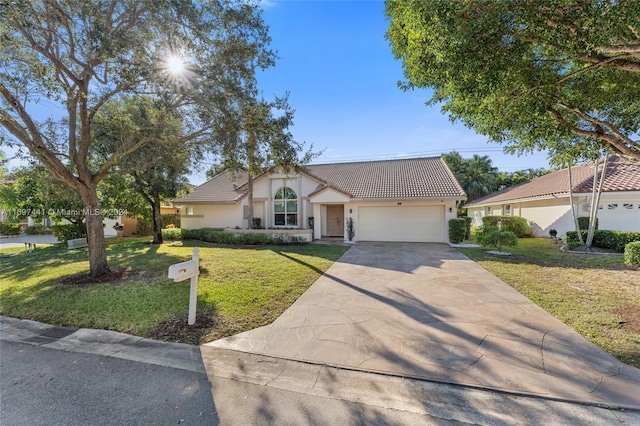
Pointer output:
393, 200
544, 201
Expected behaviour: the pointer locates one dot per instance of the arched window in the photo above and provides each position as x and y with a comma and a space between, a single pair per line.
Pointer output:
285, 207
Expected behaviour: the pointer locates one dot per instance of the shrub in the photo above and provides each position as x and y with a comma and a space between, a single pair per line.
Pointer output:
219, 236
603, 238
170, 219
632, 253
583, 223
36, 230
515, 224
257, 223
69, 231
350, 229
496, 238
468, 227
457, 230
144, 227
9, 228
171, 234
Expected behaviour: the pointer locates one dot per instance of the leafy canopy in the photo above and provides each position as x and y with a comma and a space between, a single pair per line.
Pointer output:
548, 74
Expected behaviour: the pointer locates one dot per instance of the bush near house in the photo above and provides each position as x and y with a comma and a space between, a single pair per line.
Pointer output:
144, 227
602, 238
632, 253
515, 224
468, 227
170, 219
9, 228
69, 231
457, 230
219, 236
37, 230
583, 222
495, 238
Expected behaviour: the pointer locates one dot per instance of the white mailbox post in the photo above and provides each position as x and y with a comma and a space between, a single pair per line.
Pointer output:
190, 269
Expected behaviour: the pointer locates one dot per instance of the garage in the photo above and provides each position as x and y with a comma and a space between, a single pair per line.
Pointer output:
401, 223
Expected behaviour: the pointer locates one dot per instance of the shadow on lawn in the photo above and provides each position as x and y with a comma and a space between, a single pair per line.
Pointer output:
548, 259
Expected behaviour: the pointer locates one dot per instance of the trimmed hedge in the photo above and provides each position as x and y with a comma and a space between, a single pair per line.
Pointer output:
457, 230
37, 230
144, 227
9, 228
632, 253
69, 231
170, 219
468, 228
603, 238
219, 236
515, 224
583, 223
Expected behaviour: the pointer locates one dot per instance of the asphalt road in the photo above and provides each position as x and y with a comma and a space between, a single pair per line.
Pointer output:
42, 386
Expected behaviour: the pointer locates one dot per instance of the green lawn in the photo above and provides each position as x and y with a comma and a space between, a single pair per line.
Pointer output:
242, 287
597, 295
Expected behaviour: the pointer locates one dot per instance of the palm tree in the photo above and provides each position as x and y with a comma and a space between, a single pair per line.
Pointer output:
480, 176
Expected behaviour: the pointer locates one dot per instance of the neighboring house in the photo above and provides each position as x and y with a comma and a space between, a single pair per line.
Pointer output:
395, 200
544, 201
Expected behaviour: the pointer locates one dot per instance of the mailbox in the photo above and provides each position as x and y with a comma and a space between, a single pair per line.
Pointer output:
184, 270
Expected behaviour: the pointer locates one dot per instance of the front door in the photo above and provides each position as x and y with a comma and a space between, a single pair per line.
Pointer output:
335, 220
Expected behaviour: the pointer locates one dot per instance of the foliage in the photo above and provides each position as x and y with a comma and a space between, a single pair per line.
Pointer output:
350, 229
632, 253
218, 236
534, 75
171, 219
602, 238
36, 230
496, 238
457, 230
144, 227
80, 57
7, 228
468, 220
172, 234
478, 177
257, 223
583, 222
515, 224
69, 231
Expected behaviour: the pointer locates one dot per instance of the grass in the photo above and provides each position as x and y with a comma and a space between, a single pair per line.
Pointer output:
586, 292
244, 287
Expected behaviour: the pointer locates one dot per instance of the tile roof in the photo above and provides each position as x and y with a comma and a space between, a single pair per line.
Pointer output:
622, 175
403, 178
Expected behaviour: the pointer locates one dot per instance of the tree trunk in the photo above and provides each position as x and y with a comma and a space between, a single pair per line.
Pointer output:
573, 210
157, 220
95, 232
595, 200
250, 200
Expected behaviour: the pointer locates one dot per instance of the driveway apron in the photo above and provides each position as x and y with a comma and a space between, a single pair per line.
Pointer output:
426, 311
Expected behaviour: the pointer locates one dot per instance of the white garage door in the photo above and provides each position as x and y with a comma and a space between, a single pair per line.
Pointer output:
401, 223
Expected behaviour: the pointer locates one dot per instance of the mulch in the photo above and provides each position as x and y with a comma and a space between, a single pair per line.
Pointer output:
115, 276
177, 330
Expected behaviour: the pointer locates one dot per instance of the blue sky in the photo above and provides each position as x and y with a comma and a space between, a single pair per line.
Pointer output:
342, 79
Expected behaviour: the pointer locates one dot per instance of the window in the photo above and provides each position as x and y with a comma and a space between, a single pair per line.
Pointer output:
507, 210
188, 210
285, 207
612, 206
627, 206
487, 211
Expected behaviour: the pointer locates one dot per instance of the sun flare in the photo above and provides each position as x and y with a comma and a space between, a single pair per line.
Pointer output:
175, 65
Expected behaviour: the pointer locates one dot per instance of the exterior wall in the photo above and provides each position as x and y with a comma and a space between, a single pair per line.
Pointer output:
618, 211
545, 215
212, 216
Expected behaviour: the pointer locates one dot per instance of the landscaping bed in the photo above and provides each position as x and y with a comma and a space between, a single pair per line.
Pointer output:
240, 288
598, 296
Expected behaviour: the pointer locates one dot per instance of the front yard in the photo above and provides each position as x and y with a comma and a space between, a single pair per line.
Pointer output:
239, 288
597, 295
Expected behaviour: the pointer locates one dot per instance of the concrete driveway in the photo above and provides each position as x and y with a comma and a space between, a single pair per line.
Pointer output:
426, 311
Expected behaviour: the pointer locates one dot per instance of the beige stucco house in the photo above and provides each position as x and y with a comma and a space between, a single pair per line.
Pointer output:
544, 201
394, 200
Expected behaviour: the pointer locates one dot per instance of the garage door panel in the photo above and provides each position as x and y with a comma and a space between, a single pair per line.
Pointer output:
401, 223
